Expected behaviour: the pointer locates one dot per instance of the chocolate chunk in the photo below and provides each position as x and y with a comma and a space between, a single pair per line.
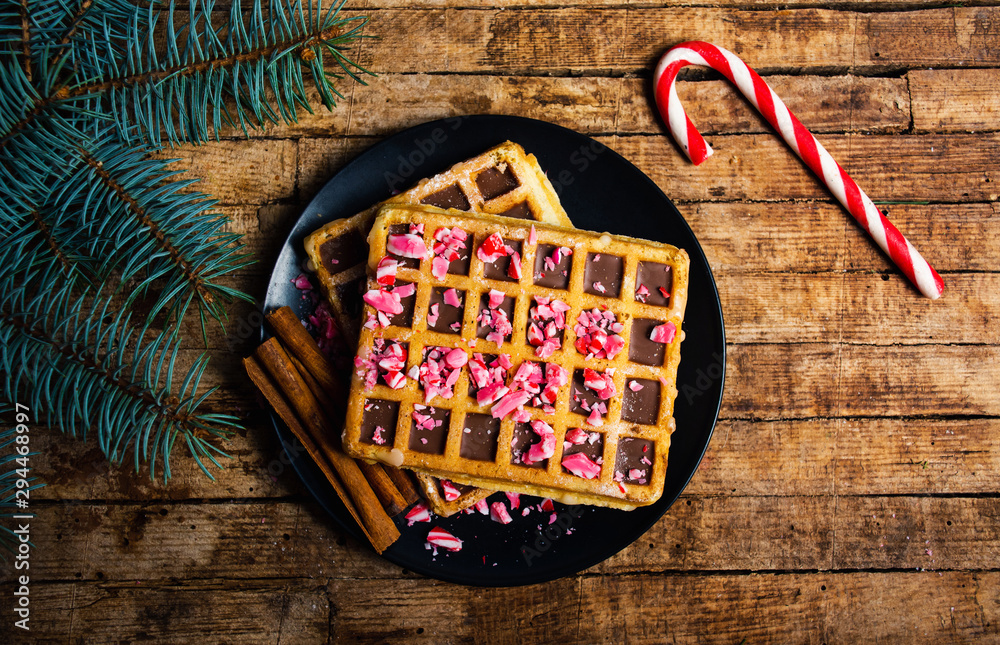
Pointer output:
448, 315
484, 303
594, 451
634, 454
523, 439
580, 396
642, 406
497, 270
450, 197
403, 229
431, 441
519, 211
379, 419
603, 271
640, 348
494, 182
350, 294
342, 253
557, 278
655, 276
405, 317
479, 437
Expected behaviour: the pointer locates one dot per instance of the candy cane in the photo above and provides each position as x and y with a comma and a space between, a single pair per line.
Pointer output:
797, 136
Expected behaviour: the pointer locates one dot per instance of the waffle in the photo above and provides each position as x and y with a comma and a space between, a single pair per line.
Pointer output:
439, 495
554, 376
502, 181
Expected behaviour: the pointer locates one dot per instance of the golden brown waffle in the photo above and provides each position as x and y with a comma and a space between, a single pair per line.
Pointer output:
502, 181
609, 418
438, 496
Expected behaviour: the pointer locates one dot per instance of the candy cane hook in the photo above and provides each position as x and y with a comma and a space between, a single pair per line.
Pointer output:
815, 156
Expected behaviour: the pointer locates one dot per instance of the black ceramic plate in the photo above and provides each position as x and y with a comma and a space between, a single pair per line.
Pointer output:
601, 191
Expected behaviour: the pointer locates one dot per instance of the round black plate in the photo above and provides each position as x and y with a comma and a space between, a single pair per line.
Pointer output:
601, 191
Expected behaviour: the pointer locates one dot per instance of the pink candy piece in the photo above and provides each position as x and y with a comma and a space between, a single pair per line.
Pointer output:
385, 272
663, 333
498, 513
451, 298
492, 249
483, 507
815, 156
450, 492
439, 537
514, 499
580, 465
407, 245
386, 302
419, 513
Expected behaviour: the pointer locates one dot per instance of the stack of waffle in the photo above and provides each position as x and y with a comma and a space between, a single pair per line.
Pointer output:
497, 353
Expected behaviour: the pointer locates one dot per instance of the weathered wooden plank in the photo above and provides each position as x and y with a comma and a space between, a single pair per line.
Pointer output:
800, 608
955, 100
215, 611
849, 457
599, 105
935, 168
602, 39
261, 540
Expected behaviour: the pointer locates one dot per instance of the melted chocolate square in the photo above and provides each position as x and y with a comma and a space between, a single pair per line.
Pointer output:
640, 348
351, 295
579, 395
448, 315
342, 253
557, 278
523, 439
405, 317
497, 270
634, 454
461, 265
402, 229
507, 306
642, 406
494, 182
379, 419
450, 197
518, 211
603, 271
593, 447
655, 276
480, 433
432, 440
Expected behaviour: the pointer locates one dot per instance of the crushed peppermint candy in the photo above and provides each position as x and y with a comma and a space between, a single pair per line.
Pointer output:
552, 261
597, 334
488, 380
514, 499
498, 513
545, 447
385, 272
440, 370
407, 245
577, 436
635, 386
581, 465
439, 537
302, 283
546, 322
482, 506
452, 298
419, 513
449, 245
641, 293
433, 313
492, 249
532, 235
451, 493
663, 333
385, 362
495, 318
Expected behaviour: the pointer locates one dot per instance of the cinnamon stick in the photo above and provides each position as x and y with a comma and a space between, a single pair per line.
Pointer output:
380, 527
391, 499
404, 484
287, 415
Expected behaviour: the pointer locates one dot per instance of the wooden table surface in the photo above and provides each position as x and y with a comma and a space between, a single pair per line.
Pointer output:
850, 493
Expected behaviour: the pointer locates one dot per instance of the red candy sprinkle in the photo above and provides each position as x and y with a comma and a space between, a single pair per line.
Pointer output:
597, 334
492, 249
580, 465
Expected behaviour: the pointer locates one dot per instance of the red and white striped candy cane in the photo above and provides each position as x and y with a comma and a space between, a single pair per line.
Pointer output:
797, 136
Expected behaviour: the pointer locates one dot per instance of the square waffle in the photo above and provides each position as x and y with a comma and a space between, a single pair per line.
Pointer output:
545, 364
504, 180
